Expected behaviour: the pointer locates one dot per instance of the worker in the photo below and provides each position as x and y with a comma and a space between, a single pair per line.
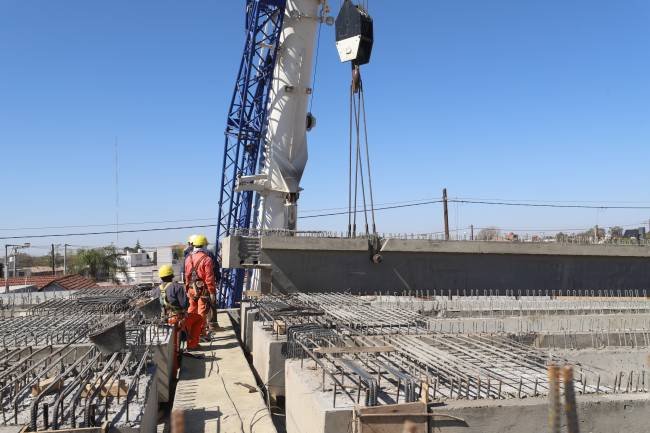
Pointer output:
200, 280
215, 260
190, 246
173, 299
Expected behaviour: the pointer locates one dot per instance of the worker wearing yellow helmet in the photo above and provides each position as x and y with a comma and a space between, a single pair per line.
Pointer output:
201, 279
173, 299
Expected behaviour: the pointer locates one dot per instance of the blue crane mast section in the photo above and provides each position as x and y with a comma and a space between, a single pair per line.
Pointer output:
246, 128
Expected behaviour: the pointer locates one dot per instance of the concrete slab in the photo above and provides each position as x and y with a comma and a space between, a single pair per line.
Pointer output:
251, 317
308, 408
609, 360
163, 357
623, 413
317, 264
268, 359
216, 394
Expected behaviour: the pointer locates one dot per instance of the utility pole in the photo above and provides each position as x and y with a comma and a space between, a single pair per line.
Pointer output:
596, 233
53, 262
6, 269
471, 232
15, 249
65, 259
444, 201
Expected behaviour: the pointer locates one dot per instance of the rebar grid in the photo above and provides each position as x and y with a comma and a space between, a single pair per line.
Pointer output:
71, 386
359, 314
461, 365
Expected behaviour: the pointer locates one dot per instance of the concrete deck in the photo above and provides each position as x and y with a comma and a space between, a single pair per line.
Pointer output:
309, 405
219, 393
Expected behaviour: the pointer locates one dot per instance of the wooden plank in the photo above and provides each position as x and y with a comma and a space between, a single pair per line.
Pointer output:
118, 388
354, 349
42, 384
407, 417
424, 392
279, 327
102, 429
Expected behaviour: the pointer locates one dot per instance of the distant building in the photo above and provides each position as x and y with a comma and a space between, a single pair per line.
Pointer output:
142, 266
41, 270
635, 233
512, 237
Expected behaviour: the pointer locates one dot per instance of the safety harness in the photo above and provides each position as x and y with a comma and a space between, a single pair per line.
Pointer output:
164, 301
197, 282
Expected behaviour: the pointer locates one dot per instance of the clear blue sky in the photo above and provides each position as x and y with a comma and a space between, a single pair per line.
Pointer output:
536, 100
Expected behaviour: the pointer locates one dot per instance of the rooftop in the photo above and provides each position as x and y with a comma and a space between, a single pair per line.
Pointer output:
68, 282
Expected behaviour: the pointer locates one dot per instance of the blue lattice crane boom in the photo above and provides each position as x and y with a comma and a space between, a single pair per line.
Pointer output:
246, 127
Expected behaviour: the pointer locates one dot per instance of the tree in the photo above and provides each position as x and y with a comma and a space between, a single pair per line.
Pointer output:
102, 264
590, 234
616, 232
134, 249
561, 237
488, 234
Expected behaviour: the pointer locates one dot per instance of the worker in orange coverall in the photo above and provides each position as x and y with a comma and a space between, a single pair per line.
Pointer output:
200, 280
173, 299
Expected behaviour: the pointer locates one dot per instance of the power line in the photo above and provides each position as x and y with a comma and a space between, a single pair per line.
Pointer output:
108, 232
106, 225
406, 203
156, 229
550, 205
400, 206
376, 209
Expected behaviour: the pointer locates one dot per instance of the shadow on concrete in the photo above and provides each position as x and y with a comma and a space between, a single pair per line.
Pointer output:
192, 368
196, 420
436, 425
225, 346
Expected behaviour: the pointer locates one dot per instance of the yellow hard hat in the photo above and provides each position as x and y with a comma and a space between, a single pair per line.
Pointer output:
191, 239
166, 271
200, 241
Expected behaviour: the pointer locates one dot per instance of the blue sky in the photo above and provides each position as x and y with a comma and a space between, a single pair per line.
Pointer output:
503, 99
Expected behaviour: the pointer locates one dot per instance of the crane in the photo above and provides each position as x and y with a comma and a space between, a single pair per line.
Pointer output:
265, 152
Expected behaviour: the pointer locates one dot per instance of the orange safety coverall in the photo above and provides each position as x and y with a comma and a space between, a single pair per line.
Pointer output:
200, 262
176, 303
174, 300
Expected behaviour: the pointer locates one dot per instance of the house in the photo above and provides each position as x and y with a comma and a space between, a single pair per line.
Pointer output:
635, 233
50, 283
142, 266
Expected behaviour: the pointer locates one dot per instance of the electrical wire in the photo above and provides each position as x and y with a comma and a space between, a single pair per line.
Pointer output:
327, 214
106, 225
549, 205
313, 81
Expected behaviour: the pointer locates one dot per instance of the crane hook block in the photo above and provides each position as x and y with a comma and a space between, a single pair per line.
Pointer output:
354, 34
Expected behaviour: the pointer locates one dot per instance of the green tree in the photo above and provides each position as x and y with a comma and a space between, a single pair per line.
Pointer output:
616, 232
102, 264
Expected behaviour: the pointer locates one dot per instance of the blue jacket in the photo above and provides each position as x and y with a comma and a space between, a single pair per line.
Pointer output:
176, 295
